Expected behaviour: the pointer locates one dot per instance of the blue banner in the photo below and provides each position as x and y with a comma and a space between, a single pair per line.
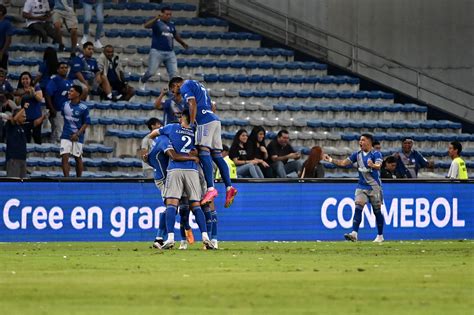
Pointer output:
129, 211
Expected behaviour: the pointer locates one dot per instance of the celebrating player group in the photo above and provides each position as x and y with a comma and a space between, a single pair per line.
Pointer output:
182, 156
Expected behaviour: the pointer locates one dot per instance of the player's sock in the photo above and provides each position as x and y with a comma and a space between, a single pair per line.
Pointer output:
214, 225
162, 227
206, 163
205, 236
208, 216
200, 218
357, 218
184, 213
170, 219
222, 166
182, 231
184, 219
379, 220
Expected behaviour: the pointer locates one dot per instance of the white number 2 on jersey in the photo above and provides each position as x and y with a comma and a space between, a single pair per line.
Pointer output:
185, 148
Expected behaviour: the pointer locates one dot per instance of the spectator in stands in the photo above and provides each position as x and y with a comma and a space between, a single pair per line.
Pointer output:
6, 31
410, 161
47, 68
98, 5
246, 168
85, 72
76, 120
162, 43
152, 124
389, 168
230, 163
37, 14
256, 148
312, 167
111, 67
6, 102
458, 169
64, 12
172, 107
26, 93
16, 144
56, 95
6, 88
377, 146
280, 152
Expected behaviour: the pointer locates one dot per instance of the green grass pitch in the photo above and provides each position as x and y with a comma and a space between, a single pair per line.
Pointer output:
422, 277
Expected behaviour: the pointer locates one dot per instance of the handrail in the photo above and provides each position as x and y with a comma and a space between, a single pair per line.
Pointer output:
287, 33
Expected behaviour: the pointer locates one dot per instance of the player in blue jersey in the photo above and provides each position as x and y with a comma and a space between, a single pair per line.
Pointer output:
76, 120
369, 189
158, 157
208, 135
182, 178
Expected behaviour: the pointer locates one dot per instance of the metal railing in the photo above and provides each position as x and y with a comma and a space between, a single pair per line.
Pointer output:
292, 38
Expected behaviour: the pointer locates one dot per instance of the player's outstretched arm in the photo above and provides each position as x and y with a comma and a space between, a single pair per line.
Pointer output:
340, 163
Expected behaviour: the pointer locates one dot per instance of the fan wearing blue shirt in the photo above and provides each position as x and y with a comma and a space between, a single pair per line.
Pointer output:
410, 161
208, 135
369, 188
182, 177
76, 120
162, 44
6, 32
56, 95
172, 107
86, 73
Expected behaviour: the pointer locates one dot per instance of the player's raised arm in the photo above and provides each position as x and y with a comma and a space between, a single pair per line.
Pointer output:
340, 163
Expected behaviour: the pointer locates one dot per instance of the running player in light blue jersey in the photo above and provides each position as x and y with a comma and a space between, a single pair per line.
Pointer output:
182, 177
208, 135
369, 188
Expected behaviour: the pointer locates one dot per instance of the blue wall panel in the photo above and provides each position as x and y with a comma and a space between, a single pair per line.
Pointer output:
128, 211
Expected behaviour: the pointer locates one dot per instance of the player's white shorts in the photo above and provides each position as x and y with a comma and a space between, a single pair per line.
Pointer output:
183, 182
209, 135
69, 147
375, 196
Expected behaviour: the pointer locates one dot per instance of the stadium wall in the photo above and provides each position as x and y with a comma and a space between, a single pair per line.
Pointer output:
35, 211
433, 36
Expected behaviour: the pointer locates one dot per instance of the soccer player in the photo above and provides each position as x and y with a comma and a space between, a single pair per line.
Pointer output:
208, 135
183, 177
368, 162
158, 157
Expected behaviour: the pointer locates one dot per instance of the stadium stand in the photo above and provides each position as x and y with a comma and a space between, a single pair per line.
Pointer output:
251, 85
